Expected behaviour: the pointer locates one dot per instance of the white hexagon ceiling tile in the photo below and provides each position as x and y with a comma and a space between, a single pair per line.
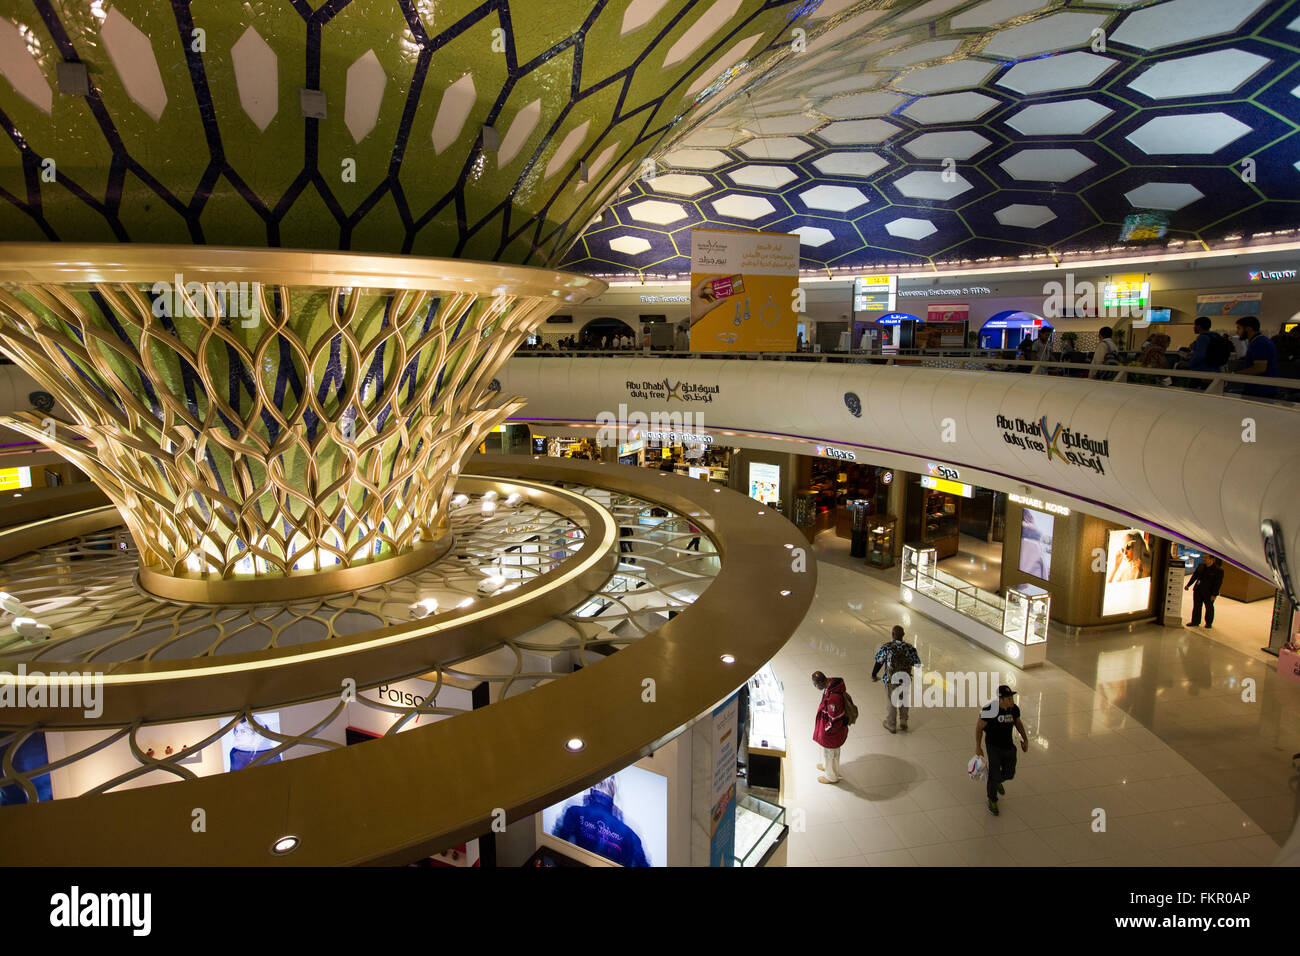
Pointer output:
931, 185
834, 198
1051, 74
737, 206
18, 65
1171, 196
1191, 133
813, 236
679, 184
762, 177
133, 58
962, 144
1024, 215
630, 245
850, 164
1063, 118
366, 80
656, 212
908, 228
1220, 71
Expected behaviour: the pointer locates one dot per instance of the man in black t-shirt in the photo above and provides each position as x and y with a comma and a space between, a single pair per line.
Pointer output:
994, 726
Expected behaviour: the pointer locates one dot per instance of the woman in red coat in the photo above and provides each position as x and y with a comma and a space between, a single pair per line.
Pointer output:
830, 728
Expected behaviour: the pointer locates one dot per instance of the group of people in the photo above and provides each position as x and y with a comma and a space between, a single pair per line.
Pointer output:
896, 658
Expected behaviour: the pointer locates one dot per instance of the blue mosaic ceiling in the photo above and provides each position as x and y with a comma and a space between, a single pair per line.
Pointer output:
946, 132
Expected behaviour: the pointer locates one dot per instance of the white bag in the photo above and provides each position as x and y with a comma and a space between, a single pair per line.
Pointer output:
977, 767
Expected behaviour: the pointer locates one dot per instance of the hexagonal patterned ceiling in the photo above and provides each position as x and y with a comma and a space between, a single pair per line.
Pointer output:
351, 124
904, 133
949, 132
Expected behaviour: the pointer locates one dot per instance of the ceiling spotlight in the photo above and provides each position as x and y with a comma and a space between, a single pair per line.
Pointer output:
785, 594
489, 507
286, 844
728, 658
422, 609
490, 496
789, 546
575, 744
514, 500
460, 501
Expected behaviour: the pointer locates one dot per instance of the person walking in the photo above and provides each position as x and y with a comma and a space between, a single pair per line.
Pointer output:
993, 727
1106, 353
1205, 583
898, 658
831, 725
1260, 358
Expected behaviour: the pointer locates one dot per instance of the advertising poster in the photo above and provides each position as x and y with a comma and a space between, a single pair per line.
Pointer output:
742, 291
1036, 543
623, 819
1128, 572
243, 744
1232, 303
764, 482
722, 819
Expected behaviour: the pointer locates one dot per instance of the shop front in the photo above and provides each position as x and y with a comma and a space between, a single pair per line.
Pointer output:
695, 456
851, 498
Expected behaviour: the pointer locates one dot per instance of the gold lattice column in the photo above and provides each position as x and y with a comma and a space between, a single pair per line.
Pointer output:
270, 424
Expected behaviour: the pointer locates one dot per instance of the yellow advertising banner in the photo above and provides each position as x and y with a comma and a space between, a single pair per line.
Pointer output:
743, 291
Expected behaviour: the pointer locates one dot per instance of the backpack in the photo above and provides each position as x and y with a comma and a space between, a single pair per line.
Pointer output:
1218, 350
850, 710
900, 658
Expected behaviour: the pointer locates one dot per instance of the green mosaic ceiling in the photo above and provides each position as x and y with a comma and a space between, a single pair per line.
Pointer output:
193, 127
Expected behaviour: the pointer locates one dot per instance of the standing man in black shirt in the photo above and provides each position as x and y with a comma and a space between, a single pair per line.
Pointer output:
1205, 583
994, 725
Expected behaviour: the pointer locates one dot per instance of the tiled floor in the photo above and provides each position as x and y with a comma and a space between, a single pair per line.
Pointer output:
1183, 770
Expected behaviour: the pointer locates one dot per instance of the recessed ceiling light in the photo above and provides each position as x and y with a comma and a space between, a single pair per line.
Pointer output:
575, 744
785, 594
286, 844
728, 659
789, 546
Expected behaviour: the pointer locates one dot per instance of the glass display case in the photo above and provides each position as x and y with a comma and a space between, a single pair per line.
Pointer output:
918, 562
880, 542
1025, 620
760, 830
766, 714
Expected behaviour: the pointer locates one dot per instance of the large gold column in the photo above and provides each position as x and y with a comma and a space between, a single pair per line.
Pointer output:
270, 424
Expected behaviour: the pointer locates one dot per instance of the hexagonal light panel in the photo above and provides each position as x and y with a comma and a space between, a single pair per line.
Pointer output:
133, 58
1046, 165
1024, 216
950, 108
847, 132
782, 125
679, 184
924, 184
914, 229
919, 52
1060, 31
960, 75
709, 23
994, 11
656, 211
781, 147
712, 137
1063, 118
1220, 71
257, 78
568, 146
1067, 71
813, 236
849, 164
861, 104
629, 245
696, 159
1190, 133
736, 206
1178, 21
852, 84
962, 144
762, 177
834, 198
1169, 196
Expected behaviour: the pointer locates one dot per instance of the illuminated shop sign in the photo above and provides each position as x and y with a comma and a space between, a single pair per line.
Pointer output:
942, 471
961, 291
840, 453
1041, 506
679, 438
1056, 441
666, 299
946, 486
1265, 274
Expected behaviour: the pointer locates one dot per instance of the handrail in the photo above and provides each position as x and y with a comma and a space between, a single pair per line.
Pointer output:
966, 359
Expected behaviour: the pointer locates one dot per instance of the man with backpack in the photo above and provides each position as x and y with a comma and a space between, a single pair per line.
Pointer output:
898, 658
1211, 350
835, 714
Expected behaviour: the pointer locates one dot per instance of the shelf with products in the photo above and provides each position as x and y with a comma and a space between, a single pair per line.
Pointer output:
880, 541
1015, 628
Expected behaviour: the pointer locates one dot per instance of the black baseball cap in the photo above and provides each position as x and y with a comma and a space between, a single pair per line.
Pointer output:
1005, 691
